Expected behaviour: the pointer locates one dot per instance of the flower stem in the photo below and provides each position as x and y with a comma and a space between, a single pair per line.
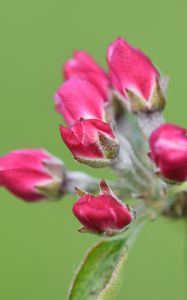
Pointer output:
148, 122
80, 180
128, 166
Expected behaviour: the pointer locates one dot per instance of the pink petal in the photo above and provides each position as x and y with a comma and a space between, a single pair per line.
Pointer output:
82, 65
77, 98
131, 69
82, 138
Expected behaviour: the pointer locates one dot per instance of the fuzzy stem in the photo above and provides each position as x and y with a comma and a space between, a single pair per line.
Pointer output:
81, 180
128, 166
136, 231
148, 122
142, 217
91, 184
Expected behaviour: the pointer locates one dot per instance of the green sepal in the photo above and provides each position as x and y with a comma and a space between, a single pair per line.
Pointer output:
109, 146
52, 190
156, 103
94, 163
79, 192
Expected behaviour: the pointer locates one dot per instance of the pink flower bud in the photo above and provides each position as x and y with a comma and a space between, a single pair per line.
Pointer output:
134, 76
82, 65
103, 214
78, 98
168, 145
31, 174
90, 141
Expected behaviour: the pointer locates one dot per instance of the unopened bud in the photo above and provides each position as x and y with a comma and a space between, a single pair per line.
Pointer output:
103, 214
32, 174
135, 78
91, 142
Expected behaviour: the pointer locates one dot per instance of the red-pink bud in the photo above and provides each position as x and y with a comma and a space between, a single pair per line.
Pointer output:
133, 75
78, 98
168, 145
31, 174
82, 65
90, 141
103, 214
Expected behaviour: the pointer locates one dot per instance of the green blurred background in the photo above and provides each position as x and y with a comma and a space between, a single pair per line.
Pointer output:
40, 247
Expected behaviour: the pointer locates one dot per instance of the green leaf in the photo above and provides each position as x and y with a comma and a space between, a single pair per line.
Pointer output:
99, 275
112, 288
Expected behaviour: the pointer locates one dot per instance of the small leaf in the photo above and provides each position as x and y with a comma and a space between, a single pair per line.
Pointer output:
98, 276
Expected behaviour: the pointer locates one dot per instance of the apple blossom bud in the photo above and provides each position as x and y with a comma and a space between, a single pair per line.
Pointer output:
103, 214
78, 98
82, 65
32, 174
91, 142
134, 77
168, 150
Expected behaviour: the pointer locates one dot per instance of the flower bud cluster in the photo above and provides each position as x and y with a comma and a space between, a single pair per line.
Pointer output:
96, 137
82, 100
85, 100
87, 93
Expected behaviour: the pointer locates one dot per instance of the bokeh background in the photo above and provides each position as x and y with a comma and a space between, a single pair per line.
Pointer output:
39, 245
